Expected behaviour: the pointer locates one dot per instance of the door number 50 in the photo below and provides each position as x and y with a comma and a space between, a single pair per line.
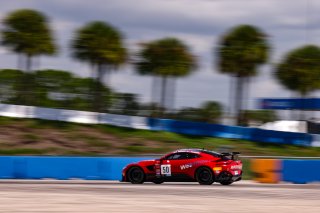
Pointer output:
166, 169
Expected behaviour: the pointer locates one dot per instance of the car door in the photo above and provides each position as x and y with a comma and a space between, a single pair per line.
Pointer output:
175, 165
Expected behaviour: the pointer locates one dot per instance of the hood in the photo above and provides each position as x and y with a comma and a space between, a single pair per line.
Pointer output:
147, 162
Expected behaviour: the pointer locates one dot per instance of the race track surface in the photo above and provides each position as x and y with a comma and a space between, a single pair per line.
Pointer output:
106, 196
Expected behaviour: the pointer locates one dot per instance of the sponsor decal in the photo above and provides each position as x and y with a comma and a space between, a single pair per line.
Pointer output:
190, 165
236, 167
185, 166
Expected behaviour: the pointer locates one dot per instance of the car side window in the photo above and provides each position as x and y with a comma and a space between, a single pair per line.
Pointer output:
192, 155
182, 156
169, 157
175, 156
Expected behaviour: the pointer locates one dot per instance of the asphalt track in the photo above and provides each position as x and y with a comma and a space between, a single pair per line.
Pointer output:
107, 196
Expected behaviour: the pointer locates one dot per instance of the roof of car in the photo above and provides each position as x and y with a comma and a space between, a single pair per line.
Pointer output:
197, 151
188, 150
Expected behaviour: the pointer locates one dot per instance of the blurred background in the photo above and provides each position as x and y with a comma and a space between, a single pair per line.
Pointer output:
87, 87
249, 63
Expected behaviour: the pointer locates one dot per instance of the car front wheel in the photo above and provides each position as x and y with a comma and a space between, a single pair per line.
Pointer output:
204, 176
158, 181
136, 175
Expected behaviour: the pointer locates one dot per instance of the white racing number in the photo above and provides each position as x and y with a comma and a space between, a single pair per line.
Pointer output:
166, 169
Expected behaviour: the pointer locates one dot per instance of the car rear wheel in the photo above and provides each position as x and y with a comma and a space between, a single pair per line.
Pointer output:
225, 178
136, 175
204, 176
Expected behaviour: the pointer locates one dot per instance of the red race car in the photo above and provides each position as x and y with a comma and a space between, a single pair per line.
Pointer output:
187, 165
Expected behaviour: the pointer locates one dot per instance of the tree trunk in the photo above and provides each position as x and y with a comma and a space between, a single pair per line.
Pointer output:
246, 91
231, 96
173, 94
97, 89
20, 61
28, 85
238, 99
231, 114
154, 90
246, 98
293, 115
163, 94
28, 63
302, 111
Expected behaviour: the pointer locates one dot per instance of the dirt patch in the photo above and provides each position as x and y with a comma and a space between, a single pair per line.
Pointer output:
78, 140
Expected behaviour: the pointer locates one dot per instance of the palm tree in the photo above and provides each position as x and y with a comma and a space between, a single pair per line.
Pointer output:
299, 70
26, 32
99, 44
165, 58
240, 52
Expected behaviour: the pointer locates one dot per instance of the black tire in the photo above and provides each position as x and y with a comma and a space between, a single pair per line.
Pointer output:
136, 175
225, 183
157, 181
204, 176
226, 178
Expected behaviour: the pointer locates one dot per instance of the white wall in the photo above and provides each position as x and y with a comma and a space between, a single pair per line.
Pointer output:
286, 126
75, 116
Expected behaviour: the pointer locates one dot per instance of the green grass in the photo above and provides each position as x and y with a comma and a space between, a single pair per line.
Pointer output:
245, 147
31, 137
247, 173
165, 140
91, 141
44, 124
144, 150
24, 151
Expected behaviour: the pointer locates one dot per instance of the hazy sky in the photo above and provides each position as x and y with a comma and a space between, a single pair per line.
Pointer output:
289, 24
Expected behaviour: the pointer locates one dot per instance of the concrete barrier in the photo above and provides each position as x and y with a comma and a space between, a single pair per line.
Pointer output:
301, 171
287, 170
74, 116
266, 170
110, 168
62, 168
235, 132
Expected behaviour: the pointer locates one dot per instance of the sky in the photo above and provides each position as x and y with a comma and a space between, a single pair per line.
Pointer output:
289, 24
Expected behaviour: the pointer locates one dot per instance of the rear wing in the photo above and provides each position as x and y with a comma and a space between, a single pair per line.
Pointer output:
234, 155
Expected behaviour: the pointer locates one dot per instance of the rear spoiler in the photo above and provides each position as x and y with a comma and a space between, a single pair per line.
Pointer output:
234, 155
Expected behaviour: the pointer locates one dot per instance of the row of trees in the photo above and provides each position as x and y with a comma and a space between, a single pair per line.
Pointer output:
240, 53
61, 89
51, 88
